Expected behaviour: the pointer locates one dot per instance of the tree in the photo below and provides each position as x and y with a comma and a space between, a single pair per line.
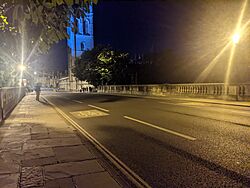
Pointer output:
50, 17
85, 66
34, 25
102, 65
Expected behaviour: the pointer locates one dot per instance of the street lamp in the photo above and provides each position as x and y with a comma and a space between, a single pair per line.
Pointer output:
236, 38
21, 67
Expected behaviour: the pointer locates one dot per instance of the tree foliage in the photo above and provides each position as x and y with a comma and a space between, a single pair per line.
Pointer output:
102, 65
30, 27
50, 17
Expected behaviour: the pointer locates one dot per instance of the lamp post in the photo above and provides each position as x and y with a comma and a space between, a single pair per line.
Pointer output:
22, 67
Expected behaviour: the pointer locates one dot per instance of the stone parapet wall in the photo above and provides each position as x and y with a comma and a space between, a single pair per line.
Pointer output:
204, 90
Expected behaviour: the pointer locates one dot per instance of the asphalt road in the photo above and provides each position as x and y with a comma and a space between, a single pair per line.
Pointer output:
168, 142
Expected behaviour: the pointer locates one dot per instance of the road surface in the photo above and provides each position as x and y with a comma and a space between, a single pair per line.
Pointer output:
167, 142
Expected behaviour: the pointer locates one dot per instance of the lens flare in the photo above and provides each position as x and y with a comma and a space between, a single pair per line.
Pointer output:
236, 38
238, 32
229, 66
211, 65
21, 67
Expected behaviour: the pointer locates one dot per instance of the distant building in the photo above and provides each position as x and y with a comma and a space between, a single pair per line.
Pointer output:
47, 79
83, 40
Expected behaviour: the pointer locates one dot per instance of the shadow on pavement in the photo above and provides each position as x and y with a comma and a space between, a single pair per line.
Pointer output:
43, 102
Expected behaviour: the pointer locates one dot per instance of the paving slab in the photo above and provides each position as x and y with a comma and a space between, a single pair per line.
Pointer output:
61, 135
73, 153
12, 156
10, 131
39, 161
38, 130
64, 170
7, 146
38, 153
52, 142
38, 136
9, 180
96, 180
7, 167
63, 129
19, 138
60, 183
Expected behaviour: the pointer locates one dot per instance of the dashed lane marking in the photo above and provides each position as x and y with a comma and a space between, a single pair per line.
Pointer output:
80, 102
161, 129
99, 108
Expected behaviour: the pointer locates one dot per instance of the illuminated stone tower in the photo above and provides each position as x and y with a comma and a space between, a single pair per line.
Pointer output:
83, 40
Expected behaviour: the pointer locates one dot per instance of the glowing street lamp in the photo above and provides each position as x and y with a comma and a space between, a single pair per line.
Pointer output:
236, 38
35, 73
21, 67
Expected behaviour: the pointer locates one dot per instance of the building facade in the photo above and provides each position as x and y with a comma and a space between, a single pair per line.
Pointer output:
78, 42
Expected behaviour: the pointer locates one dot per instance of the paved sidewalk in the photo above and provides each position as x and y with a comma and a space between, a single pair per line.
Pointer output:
38, 149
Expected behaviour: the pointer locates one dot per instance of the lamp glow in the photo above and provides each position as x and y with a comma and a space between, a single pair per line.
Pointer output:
21, 67
236, 38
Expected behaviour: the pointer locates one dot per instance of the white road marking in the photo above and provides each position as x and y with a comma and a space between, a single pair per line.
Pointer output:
99, 108
80, 102
88, 114
131, 175
160, 128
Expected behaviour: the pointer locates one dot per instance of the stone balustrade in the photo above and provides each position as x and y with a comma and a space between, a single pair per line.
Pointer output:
9, 97
204, 90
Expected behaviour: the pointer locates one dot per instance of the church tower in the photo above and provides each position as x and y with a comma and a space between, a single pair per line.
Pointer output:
79, 42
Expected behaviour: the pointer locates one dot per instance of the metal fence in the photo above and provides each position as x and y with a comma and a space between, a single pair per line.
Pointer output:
9, 98
205, 90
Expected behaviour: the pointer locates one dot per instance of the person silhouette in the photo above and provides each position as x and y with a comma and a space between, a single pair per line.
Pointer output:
38, 91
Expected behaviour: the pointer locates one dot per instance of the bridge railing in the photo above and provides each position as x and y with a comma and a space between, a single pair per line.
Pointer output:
9, 98
205, 90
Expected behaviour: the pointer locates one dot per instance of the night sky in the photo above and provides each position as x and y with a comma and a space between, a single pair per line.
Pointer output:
137, 26
195, 30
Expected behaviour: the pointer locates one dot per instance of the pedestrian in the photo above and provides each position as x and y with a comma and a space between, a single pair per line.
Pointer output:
38, 91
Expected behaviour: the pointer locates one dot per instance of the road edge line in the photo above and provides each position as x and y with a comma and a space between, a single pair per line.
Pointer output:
130, 174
